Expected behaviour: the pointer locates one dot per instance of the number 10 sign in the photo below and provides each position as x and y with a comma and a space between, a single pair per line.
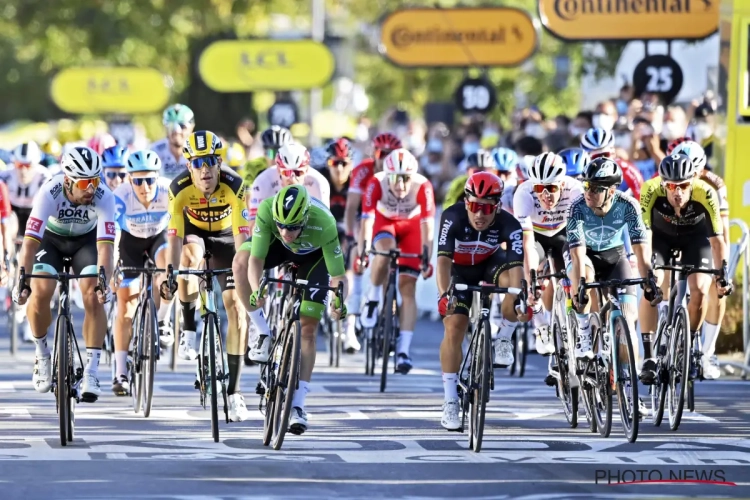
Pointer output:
658, 74
475, 95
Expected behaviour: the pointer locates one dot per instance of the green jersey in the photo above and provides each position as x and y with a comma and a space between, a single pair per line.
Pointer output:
250, 170
455, 191
320, 232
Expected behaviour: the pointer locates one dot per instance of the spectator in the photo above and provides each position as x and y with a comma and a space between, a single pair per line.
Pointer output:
581, 123
528, 146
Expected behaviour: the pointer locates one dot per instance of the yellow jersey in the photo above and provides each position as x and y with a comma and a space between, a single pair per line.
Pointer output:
224, 209
701, 213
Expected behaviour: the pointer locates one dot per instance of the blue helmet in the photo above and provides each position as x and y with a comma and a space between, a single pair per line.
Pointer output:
505, 159
597, 139
576, 160
144, 161
114, 157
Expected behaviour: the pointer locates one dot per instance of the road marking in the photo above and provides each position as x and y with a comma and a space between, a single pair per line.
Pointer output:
7, 387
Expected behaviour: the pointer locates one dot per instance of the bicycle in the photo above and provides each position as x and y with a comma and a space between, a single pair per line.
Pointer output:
476, 380
279, 378
520, 349
66, 373
676, 371
335, 341
381, 341
145, 342
213, 372
108, 349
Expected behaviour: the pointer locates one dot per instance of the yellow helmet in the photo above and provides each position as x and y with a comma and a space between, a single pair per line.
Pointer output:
236, 155
202, 143
53, 148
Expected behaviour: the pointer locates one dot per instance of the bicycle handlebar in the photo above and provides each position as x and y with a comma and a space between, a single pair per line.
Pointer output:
395, 253
300, 283
535, 279
60, 277
490, 288
690, 269
142, 270
583, 286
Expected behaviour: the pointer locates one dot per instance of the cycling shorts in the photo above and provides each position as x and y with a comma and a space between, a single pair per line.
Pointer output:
408, 236
54, 247
611, 264
554, 246
133, 251
221, 246
488, 271
695, 248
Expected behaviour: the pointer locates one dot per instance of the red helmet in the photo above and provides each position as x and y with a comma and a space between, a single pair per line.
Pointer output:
340, 148
484, 185
100, 142
386, 141
676, 143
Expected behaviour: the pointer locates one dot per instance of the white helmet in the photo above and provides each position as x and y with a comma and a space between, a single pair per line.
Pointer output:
597, 140
28, 153
548, 168
293, 156
400, 162
695, 152
81, 162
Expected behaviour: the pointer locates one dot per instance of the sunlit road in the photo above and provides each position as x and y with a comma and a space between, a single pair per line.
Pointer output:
361, 443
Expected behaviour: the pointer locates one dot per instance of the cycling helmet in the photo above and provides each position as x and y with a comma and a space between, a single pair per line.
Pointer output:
27, 153
522, 169
291, 205
472, 161
695, 152
506, 159
676, 167
576, 160
340, 148
177, 113
485, 185
548, 168
386, 141
81, 162
597, 139
275, 137
675, 143
115, 157
318, 157
603, 171
293, 156
100, 142
485, 160
52, 147
202, 143
400, 162
143, 161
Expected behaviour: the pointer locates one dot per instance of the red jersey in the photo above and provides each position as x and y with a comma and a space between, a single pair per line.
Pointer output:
419, 201
360, 175
631, 177
4, 201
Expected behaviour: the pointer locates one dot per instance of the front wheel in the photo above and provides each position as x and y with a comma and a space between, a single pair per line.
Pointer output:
660, 386
627, 379
603, 374
286, 383
679, 362
479, 377
64, 375
210, 384
387, 332
150, 329
568, 395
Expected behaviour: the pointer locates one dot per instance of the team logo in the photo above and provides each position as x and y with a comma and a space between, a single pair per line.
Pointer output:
34, 224
245, 214
109, 228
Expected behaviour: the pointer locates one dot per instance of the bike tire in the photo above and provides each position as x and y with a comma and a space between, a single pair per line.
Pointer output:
481, 366
568, 395
138, 355
680, 367
522, 350
211, 341
387, 330
13, 327
64, 377
331, 337
515, 338
339, 342
630, 420
603, 389
289, 377
270, 379
661, 384
151, 350
176, 332
695, 357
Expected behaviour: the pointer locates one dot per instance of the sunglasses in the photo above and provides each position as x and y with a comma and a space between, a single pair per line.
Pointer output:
476, 207
550, 188
139, 181
288, 227
84, 184
594, 188
395, 178
288, 172
382, 153
270, 154
114, 175
337, 162
22, 165
673, 186
205, 161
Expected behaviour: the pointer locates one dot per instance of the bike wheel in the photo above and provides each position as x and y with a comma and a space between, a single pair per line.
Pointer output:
339, 341
515, 339
387, 332
679, 355
331, 337
602, 389
64, 377
522, 348
568, 395
268, 374
13, 327
695, 357
138, 358
660, 386
627, 380
176, 332
480, 390
287, 383
150, 328
210, 337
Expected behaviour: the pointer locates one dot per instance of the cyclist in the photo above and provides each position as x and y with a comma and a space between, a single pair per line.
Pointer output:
24, 181
481, 160
102, 141
114, 161
206, 205
599, 142
338, 175
382, 145
142, 214
682, 213
179, 122
293, 227
272, 139
72, 216
576, 160
477, 242
541, 206
399, 209
506, 161
716, 306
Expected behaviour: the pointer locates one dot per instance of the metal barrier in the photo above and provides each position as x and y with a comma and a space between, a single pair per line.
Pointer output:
740, 256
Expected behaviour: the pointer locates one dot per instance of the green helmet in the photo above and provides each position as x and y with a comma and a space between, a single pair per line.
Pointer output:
178, 113
290, 205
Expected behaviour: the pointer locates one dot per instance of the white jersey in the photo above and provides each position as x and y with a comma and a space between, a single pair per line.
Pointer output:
53, 211
170, 167
419, 201
533, 217
137, 220
268, 183
22, 195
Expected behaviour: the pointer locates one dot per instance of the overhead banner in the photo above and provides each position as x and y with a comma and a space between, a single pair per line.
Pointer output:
460, 37
251, 65
607, 20
121, 90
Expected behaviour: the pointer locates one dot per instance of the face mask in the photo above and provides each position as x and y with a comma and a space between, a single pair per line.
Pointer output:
535, 130
622, 106
603, 121
470, 148
363, 133
576, 132
672, 130
624, 141
702, 131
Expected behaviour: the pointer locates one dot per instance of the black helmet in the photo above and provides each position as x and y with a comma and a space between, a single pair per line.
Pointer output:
676, 167
275, 137
603, 171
